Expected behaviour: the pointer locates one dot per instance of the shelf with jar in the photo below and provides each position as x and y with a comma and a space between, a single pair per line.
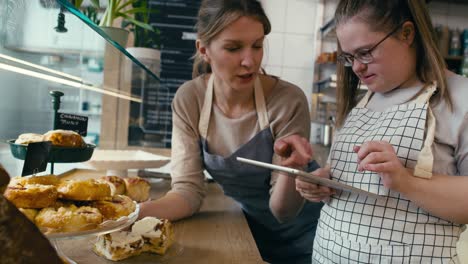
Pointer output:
453, 45
328, 30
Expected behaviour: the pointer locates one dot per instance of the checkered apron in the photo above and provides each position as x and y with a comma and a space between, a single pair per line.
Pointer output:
357, 229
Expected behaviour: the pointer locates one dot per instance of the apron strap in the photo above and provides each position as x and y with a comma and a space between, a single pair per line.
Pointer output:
365, 99
206, 109
422, 98
260, 105
424, 165
423, 168
425, 94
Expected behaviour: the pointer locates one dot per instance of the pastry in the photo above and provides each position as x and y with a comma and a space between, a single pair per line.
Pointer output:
117, 184
118, 245
27, 138
68, 219
44, 180
29, 213
119, 206
65, 138
84, 190
137, 188
31, 195
158, 234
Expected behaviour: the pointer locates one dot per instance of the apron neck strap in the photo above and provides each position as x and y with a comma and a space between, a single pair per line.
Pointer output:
425, 94
260, 105
205, 114
365, 99
421, 98
206, 109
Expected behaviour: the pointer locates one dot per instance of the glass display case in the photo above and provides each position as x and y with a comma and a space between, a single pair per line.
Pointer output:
48, 45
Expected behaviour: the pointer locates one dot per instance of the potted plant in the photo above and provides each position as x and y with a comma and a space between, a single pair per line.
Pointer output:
146, 42
126, 10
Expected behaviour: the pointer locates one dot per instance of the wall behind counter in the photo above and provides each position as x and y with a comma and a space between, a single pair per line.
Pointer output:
291, 45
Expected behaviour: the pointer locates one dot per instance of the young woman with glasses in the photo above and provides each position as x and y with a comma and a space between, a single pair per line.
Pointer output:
406, 140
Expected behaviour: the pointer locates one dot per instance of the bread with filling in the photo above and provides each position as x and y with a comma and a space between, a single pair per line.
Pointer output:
27, 138
137, 188
43, 179
118, 206
65, 138
117, 183
68, 219
84, 190
31, 195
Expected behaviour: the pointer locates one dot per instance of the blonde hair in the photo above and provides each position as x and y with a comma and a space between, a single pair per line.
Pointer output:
383, 16
215, 15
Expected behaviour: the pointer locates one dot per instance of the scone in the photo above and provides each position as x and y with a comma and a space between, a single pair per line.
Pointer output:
65, 138
119, 206
29, 213
118, 245
31, 195
68, 219
84, 190
27, 138
44, 180
158, 234
137, 188
117, 183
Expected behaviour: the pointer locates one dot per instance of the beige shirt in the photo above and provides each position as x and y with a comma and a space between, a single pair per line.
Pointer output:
450, 146
288, 113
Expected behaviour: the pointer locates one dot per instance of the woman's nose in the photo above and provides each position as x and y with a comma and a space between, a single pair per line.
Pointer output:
248, 59
358, 66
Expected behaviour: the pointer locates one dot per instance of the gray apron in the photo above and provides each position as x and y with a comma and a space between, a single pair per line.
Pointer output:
250, 185
355, 229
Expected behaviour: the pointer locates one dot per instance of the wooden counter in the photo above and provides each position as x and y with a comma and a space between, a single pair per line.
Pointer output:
219, 233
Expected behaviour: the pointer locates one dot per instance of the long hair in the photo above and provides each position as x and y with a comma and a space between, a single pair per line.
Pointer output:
383, 16
215, 15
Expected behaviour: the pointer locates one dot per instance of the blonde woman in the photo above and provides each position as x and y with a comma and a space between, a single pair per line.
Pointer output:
406, 140
229, 109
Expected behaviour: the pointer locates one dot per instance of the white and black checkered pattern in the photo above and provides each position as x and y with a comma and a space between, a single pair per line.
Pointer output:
357, 229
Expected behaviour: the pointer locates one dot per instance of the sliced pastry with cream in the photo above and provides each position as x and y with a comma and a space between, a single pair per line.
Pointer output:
157, 233
119, 245
149, 234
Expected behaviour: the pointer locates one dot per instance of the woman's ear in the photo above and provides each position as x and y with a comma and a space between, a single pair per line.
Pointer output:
202, 50
408, 33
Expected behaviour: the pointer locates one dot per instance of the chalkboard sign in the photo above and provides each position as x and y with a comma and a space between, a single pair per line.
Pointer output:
37, 157
76, 123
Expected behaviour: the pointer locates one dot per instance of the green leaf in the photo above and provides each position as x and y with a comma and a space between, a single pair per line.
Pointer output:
78, 3
136, 10
129, 2
136, 22
95, 3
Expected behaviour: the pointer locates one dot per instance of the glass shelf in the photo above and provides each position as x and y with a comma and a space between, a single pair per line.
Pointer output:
100, 79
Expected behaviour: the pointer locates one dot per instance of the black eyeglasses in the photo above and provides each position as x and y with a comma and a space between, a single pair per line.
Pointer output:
365, 55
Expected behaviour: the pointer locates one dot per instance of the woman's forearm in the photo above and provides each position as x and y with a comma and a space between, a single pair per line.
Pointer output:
442, 195
171, 206
285, 201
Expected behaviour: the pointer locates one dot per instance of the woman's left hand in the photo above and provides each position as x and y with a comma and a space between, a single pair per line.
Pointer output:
380, 157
